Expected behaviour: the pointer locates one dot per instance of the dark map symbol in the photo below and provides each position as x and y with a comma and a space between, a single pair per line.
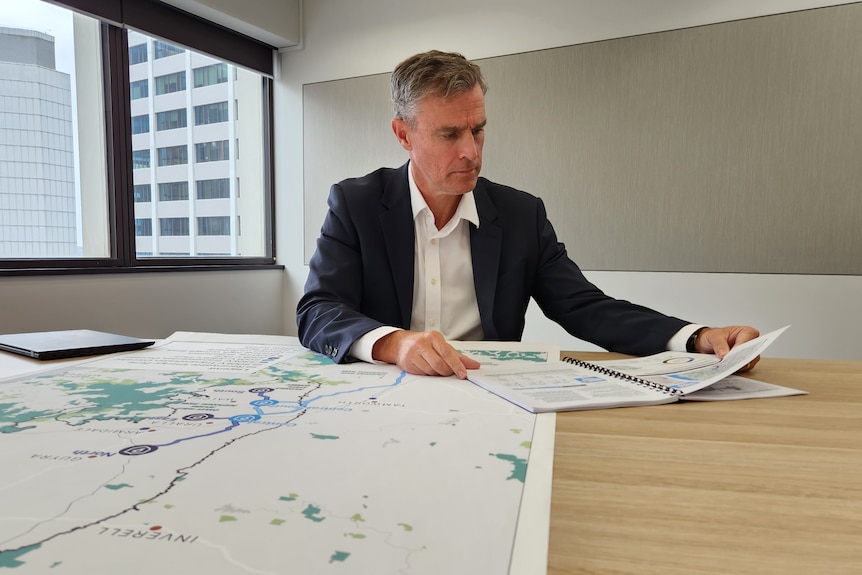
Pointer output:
198, 416
138, 450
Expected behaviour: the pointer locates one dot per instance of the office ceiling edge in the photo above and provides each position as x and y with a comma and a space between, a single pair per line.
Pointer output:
275, 22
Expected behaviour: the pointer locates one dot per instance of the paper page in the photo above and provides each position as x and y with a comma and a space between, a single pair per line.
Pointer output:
660, 363
564, 387
211, 352
735, 387
738, 356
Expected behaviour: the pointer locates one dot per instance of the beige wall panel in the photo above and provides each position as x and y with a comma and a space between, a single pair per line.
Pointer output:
346, 134
733, 147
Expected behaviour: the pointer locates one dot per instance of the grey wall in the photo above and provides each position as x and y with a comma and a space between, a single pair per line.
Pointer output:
146, 304
731, 147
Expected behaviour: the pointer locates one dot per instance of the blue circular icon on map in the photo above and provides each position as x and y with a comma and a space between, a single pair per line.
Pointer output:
264, 402
245, 418
138, 450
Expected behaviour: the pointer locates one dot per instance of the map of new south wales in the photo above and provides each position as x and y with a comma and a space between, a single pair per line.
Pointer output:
237, 457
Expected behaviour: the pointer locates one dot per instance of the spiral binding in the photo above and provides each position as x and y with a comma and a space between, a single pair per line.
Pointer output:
620, 375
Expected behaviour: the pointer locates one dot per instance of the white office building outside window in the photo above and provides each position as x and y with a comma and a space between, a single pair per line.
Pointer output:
37, 174
194, 173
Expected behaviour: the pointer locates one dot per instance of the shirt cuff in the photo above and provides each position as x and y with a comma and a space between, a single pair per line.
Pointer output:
677, 342
362, 347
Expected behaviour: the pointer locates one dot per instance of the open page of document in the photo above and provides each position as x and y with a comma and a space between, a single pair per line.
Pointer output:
695, 379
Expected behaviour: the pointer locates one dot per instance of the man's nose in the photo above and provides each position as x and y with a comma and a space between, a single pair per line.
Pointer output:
470, 145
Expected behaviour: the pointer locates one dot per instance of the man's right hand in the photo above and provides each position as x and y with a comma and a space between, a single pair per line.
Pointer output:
422, 353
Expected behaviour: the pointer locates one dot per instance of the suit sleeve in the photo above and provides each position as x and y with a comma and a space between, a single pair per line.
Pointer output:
582, 309
327, 315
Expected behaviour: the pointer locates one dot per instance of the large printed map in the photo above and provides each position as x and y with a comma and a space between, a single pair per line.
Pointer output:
224, 455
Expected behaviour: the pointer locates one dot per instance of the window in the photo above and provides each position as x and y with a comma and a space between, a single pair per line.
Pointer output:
140, 89
174, 226
173, 191
209, 75
141, 124
107, 73
141, 159
163, 49
137, 54
173, 155
170, 83
171, 119
143, 193
214, 226
212, 189
211, 113
212, 151
143, 227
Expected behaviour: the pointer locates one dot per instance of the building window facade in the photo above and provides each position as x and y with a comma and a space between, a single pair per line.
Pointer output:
213, 189
214, 226
163, 49
143, 227
174, 226
170, 83
138, 54
211, 113
173, 191
143, 193
173, 155
212, 151
141, 159
141, 124
210, 75
139, 89
171, 120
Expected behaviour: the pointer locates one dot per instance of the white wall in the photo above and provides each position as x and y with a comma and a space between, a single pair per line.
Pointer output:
344, 38
148, 305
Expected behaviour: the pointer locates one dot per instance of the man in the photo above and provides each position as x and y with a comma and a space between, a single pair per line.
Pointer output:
409, 258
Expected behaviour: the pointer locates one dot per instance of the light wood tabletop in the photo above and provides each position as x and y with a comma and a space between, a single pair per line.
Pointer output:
761, 486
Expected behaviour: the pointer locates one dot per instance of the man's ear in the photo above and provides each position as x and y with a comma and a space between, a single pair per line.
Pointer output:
402, 132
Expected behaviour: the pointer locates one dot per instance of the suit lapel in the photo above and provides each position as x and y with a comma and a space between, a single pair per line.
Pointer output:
396, 224
486, 246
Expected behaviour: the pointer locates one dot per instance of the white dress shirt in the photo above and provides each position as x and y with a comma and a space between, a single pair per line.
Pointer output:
444, 296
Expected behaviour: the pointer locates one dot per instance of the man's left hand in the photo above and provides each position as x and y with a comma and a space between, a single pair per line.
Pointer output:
719, 340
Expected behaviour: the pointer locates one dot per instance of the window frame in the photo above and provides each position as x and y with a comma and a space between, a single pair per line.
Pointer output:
163, 21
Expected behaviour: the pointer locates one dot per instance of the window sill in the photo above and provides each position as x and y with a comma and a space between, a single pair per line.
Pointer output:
160, 268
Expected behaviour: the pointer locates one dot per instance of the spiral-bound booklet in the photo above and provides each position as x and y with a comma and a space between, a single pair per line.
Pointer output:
575, 384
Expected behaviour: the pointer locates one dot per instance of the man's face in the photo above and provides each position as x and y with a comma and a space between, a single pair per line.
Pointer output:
445, 143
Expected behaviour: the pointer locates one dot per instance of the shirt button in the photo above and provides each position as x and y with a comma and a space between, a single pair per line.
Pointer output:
433, 242
433, 323
433, 281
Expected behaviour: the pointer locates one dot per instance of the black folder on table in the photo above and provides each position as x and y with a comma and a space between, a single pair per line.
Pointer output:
68, 343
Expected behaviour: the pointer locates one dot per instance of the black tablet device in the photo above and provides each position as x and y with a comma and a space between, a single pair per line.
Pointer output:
68, 343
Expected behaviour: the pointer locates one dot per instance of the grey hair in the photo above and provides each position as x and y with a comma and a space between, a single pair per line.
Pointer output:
434, 73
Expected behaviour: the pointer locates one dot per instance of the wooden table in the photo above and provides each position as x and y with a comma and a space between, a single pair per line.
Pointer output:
734, 487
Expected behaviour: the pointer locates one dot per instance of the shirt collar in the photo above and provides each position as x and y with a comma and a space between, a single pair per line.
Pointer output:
466, 207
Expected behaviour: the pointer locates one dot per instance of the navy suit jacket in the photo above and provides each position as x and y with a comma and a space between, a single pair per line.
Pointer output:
361, 275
